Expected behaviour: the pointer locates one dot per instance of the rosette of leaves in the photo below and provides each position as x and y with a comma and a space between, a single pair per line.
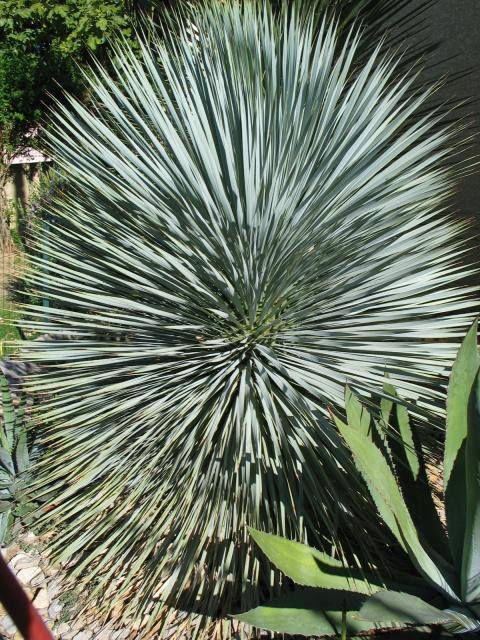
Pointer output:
444, 586
250, 220
15, 461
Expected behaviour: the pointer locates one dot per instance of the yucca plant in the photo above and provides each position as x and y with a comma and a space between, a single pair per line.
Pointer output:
250, 220
447, 575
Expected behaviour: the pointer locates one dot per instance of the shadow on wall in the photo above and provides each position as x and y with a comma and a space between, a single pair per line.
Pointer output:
455, 25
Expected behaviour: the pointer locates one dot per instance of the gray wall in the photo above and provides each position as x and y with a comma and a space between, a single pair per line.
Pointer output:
455, 24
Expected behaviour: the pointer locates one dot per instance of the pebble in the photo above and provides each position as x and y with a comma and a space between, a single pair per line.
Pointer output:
18, 557
10, 552
42, 583
54, 588
30, 537
38, 580
50, 571
54, 610
104, 634
42, 601
24, 561
83, 635
26, 575
7, 625
63, 628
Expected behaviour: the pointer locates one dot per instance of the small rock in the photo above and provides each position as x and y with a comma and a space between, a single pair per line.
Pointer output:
83, 635
104, 634
38, 580
24, 561
10, 552
7, 626
21, 555
54, 610
54, 587
26, 575
63, 628
50, 571
42, 601
30, 537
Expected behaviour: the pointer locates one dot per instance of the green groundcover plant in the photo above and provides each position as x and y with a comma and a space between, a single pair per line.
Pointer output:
444, 589
250, 219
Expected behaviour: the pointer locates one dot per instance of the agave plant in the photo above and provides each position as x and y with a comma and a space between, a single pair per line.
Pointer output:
250, 220
447, 572
15, 460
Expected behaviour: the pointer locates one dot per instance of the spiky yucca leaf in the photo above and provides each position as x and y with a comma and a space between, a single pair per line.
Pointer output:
250, 222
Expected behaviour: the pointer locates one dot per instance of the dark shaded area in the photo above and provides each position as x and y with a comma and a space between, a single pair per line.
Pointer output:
455, 25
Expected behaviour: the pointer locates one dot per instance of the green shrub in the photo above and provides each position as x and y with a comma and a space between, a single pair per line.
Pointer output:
445, 588
250, 220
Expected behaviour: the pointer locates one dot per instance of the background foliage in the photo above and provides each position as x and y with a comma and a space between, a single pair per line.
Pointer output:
43, 45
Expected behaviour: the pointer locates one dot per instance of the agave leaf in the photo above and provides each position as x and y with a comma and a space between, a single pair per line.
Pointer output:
4, 524
464, 619
462, 455
6, 462
312, 568
22, 457
393, 608
20, 414
470, 576
357, 414
309, 567
409, 464
388, 498
5, 506
412, 452
8, 418
309, 612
